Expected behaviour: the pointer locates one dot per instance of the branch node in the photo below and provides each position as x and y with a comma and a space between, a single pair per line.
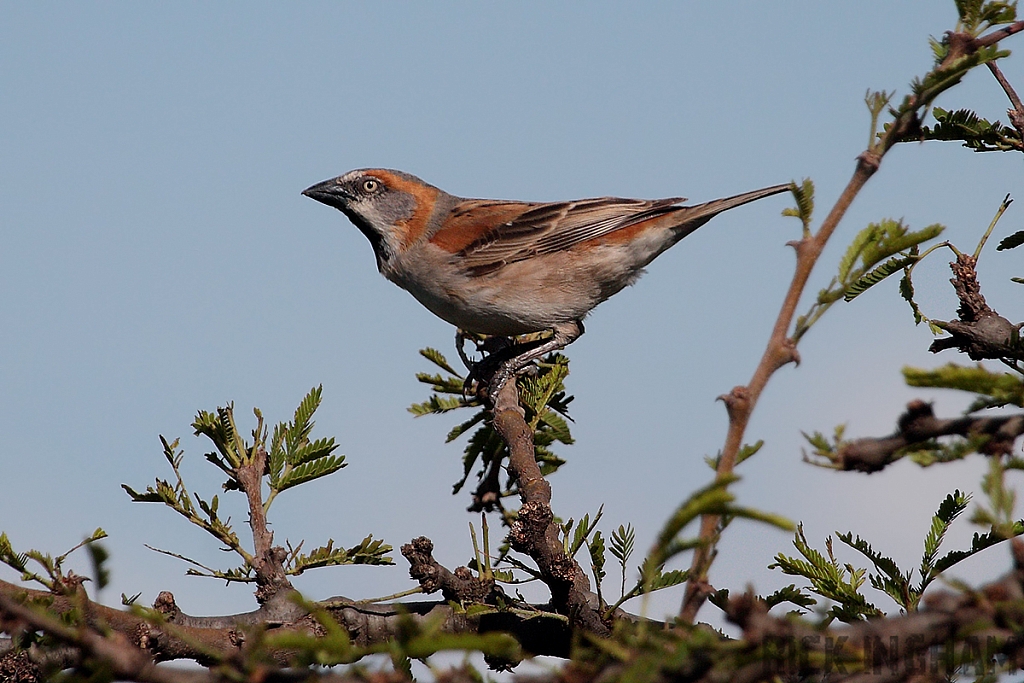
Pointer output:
459, 586
869, 160
736, 401
528, 530
787, 353
164, 604
980, 332
960, 45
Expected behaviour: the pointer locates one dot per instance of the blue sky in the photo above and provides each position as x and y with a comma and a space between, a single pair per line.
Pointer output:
157, 258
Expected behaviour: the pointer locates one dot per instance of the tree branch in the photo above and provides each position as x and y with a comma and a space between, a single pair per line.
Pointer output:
781, 348
208, 640
919, 425
980, 332
534, 531
458, 586
1016, 112
891, 649
268, 560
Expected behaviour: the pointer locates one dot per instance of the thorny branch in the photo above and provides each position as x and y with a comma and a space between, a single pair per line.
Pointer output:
781, 348
919, 425
459, 586
1016, 113
534, 531
740, 402
991, 614
169, 634
772, 646
268, 560
127, 660
980, 332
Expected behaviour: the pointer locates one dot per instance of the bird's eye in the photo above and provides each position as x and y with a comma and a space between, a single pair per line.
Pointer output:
370, 185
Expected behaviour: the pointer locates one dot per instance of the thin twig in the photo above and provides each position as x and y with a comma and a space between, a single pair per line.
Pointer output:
781, 348
740, 401
1016, 114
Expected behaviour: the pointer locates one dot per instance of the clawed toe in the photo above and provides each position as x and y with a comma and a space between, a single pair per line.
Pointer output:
504, 359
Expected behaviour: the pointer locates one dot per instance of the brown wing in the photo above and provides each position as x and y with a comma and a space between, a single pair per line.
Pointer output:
531, 229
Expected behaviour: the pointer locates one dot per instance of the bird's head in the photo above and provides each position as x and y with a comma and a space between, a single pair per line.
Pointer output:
384, 205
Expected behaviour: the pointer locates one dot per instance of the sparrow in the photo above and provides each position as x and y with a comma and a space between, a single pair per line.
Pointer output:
509, 268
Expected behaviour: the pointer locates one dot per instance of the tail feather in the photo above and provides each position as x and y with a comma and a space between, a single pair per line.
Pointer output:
692, 217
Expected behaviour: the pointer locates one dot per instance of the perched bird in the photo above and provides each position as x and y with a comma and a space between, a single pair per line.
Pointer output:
506, 267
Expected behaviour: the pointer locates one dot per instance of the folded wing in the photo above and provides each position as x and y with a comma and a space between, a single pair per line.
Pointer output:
528, 230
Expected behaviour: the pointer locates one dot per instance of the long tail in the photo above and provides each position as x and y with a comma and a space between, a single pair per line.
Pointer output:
692, 217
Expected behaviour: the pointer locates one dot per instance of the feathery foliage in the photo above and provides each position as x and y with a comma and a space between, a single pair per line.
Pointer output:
991, 389
843, 582
542, 396
293, 459
974, 131
55, 579
876, 252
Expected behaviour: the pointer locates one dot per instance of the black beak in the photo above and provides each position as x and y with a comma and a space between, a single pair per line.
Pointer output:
331, 193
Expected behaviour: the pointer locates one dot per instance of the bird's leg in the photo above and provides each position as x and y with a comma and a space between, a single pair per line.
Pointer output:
494, 349
564, 335
460, 347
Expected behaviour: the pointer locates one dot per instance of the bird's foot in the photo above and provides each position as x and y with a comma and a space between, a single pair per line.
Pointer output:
504, 359
496, 351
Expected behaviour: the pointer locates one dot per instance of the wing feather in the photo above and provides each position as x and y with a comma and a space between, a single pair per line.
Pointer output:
548, 228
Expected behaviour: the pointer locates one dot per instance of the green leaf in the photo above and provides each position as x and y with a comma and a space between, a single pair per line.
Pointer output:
1011, 242
597, 558
907, 292
829, 579
992, 388
977, 15
438, 359
301, 425
435, 405
893, 237
658, 579
308, 452
150, 496
460, 429
369, 551
790, 594
893, 265
559, 427
310, 471
951, 508
863, 238
978, 543
444, 385
219, 427
803, 194
748, 450
484, 444
622, 542
882, 563
583, 530
276, 456
15, 561
975, 132
99, 556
